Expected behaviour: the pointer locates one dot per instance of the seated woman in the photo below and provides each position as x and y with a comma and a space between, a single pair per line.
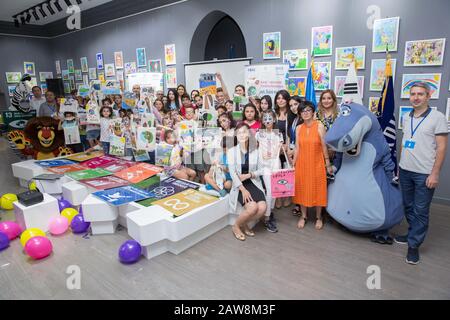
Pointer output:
245, 171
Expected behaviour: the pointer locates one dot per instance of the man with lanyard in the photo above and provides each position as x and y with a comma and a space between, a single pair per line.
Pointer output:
49, 107
424, 144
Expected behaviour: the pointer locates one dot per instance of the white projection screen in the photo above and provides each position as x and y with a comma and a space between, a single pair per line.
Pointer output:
232, 70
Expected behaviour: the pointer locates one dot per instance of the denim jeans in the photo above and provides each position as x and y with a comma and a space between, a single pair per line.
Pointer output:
105, 146
416, 200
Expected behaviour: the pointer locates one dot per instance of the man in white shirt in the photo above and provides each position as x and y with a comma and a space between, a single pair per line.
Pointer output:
424, 144
37, 99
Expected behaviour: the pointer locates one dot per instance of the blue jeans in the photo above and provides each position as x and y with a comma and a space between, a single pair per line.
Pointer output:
416, 200
105, 146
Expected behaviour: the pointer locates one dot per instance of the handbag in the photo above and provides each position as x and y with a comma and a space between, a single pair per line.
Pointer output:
282, 181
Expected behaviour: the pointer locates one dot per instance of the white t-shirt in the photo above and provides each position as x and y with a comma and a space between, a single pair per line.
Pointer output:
105, 131
36, 103
421, 158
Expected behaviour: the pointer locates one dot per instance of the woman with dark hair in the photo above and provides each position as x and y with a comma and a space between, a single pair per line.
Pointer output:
282, 111
311, 166
173, 103
226, 122
245, 171
239, 90
251, 118
266, 103
294, 120
181, 89
194, 93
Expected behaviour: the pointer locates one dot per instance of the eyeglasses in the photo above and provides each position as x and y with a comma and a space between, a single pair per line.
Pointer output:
307, 111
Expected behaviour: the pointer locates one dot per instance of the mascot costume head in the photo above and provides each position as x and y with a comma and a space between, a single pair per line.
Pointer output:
362, 196
22, 95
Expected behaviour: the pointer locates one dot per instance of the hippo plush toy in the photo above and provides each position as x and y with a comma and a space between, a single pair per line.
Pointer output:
363, 197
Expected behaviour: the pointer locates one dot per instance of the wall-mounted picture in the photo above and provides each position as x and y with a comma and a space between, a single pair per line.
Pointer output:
28, 67
65, 75
322, 79
45, 75
58, 66
119, 75
402, 111
11, 90
385, 34
339, 82
171, 77
130, 67
154, 65
322, 41
424, 52
344, 56
44, 88
99, 59
170, 54
297, 86
92, 73
84, 64
72, 82
109, 70
141, 57
78, 75
377, 71
373, 104
118, 59
70, 66
297, 59
13, 77
101, 76
66, 87
432, 79
272, 45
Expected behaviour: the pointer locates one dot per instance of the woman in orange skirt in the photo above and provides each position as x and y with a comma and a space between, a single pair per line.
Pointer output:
311, 166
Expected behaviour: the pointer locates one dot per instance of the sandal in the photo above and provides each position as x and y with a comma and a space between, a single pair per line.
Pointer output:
287, 202
319, 224
296, 211
249, 233
278, 204
301, 223
240, 237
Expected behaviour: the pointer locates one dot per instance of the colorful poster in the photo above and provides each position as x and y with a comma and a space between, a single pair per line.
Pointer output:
130, 67
92, 73
72, 135
11, 90
170, 54
148, 183
13, 77
402, 111
109, 70
424, 52
322, 41
296, 59
322, 79
377, 71
138, 172
344, 56
84, 64
141, 57
263, 80
101, 76
171, 77
117, 146
339, 82
103, 183
122, 195
373, 104
99, 162
185, 134
54, 163
83, 90
67, 87
432, 79
272, 45
185, 201
283, 183
84, 156
207, 117
88, 174
166, 188
297, 86
67, 168
119, 165
111, 87
28, 67
118, 59
65, 75
385, 33
58, 66
99, 59
44, 88
141, 155
45, 75
208, 138
163, 153
78, 75
207, 84
92, 112
154, 66
146, 138
70, 66
152, 81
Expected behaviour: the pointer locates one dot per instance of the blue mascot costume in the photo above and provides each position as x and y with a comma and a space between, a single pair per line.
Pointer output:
362, 197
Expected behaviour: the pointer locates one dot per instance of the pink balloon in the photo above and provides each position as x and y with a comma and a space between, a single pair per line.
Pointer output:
38, 247
11, 229
58, 225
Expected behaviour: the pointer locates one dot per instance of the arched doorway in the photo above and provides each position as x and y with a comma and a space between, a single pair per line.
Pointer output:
217, 36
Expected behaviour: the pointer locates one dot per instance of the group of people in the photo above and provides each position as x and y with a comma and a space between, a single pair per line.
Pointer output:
295, 129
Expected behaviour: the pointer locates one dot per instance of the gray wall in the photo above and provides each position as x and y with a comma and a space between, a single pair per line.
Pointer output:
294, 18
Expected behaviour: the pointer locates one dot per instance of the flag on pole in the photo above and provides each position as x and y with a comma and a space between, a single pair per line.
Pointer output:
352, 92
310, 91
386, 107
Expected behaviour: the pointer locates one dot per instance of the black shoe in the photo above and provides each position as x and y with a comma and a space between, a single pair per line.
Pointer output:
413, 256
401, 239
271, 224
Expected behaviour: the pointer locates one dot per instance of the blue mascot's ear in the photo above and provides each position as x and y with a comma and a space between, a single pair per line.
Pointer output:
345, 110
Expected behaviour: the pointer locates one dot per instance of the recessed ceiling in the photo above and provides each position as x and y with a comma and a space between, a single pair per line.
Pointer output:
8, 8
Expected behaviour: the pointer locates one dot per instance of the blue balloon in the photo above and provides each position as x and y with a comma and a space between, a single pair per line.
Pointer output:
4, 241
63, 204
130, 251
78, 225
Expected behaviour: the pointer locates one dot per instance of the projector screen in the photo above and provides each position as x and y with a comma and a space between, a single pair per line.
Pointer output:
233, 72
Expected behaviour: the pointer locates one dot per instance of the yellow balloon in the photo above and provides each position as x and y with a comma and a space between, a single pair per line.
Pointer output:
69, 213
6, 201
32, 186
30, 233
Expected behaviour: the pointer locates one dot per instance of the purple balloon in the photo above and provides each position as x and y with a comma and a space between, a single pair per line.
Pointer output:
4, 241
130, 251
63, 204
78, 225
